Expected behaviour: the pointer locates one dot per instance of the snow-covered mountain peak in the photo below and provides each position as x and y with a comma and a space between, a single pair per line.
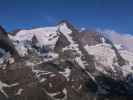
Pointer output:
63, 28
64, 60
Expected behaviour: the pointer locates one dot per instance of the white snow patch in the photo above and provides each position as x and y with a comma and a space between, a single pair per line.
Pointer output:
80, 62
127, 69
52, 95
3, 85
52, 75
19, 91
50, 85
64, 29
50, 56
38, 74
66, 73
42, 80
103, 54
5, 58
127, 55
28, 63
103, 40
65, 92
21, 49
66, 32
80, 87
73, 47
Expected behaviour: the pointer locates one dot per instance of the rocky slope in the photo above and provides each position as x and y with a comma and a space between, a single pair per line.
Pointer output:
63, 63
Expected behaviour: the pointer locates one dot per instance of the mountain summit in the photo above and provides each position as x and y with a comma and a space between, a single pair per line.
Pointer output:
63, 63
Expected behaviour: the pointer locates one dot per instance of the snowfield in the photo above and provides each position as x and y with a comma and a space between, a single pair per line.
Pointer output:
45, 36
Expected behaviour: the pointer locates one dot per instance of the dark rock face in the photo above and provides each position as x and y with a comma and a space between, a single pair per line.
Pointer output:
89, 38
2, 31
62, 42
73, 75
6, 43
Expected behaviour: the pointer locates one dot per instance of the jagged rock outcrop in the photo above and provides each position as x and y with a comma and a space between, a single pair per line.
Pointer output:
6, 43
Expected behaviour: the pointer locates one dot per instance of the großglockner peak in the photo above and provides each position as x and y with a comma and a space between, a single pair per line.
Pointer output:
63, 63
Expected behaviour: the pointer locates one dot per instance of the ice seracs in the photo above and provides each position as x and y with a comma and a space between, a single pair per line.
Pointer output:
45, 36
